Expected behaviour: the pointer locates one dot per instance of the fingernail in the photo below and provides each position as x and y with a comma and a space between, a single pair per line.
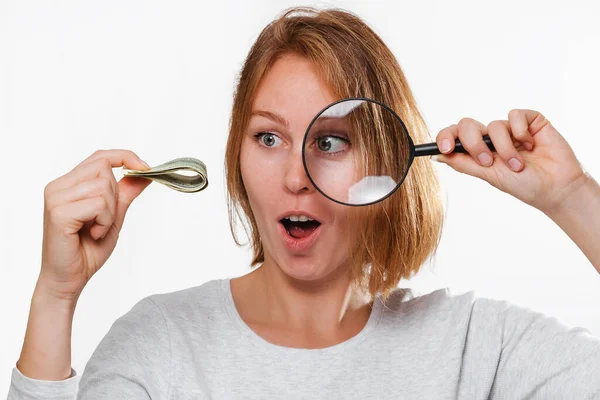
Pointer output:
445, 145
485, 159
145, 163
435, 158
528, 146
514, 164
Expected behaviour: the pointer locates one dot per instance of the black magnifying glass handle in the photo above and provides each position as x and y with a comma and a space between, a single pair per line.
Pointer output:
430, 149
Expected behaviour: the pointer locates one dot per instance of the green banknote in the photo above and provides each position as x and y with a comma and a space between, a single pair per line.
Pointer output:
184, 174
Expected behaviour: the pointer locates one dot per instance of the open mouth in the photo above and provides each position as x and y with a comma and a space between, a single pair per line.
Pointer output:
299, 229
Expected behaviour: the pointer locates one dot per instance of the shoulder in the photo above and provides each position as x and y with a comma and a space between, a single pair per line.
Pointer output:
445, 300
154, 319
192, 303
502, 319
139, 352
437, 314
441, 301
468, 309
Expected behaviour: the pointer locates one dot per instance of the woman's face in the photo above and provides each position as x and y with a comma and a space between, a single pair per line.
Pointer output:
288, 98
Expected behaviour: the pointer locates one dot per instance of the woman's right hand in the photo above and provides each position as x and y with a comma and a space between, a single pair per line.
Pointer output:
83, 215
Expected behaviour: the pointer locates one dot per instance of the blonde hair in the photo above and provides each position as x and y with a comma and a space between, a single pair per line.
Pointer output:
393, 238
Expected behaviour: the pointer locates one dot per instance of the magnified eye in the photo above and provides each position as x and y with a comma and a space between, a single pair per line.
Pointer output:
332, 144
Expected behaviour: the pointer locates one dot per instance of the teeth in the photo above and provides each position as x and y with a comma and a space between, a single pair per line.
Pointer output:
301, 218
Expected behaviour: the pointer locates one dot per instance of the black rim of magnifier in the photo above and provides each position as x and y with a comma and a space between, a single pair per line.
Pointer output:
420, 150
410, 158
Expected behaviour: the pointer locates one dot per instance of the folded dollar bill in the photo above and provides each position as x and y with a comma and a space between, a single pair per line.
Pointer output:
184, 174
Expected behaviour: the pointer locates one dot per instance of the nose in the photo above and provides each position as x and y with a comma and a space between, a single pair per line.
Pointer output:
295, 179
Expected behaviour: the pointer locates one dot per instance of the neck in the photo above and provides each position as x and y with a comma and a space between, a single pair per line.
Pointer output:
329, 306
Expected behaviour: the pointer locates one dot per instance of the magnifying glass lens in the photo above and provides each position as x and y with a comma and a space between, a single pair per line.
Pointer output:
357, 152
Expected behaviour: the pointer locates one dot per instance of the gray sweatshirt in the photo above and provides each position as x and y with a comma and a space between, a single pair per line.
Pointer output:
193, 344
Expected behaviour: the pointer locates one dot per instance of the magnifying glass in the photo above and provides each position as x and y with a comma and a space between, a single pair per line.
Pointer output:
357, 151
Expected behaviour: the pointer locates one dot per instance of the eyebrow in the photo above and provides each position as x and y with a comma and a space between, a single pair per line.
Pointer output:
272, 116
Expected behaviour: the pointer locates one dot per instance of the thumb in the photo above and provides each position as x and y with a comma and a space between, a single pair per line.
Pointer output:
129, 188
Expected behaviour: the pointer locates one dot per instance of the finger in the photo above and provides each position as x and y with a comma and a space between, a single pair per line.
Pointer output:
100, 163
89, 171
118, 158
82, 211
446, 137
100, 186
535, 120
499, 133
129, 189
470, 134
519, 127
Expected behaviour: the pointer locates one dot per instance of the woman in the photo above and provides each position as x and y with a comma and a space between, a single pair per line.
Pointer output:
319, 319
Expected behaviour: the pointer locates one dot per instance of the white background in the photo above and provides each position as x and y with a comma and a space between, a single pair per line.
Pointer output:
158, 77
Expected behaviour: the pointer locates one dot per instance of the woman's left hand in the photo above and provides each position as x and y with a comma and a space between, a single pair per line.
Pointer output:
542, 175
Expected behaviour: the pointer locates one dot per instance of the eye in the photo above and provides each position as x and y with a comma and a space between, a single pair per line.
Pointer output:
268, 139
332, 144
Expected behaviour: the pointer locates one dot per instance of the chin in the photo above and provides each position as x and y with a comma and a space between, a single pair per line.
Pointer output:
302, 269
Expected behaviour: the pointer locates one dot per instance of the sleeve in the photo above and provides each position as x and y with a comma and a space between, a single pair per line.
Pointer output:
542, 358
25, 388
133, 361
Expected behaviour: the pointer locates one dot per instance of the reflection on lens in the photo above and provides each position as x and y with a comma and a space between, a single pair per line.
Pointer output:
357, 151
370, 189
